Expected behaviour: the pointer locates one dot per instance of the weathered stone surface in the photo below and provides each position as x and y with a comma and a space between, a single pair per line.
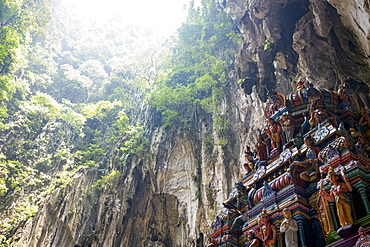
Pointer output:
322, 42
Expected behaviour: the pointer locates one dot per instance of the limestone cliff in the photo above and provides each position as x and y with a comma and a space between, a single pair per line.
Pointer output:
170, 197
322, 42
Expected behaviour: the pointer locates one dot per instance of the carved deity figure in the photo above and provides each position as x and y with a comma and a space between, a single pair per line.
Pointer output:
323, 220
287, 126
312, 93
309, 166
290, 227
253, 241
249, 166
266, 231
319, 114
348, 96
338, 193
273, 131
239, 221
241, 205
364, 239
364, 123
261, 148
267, 191
275, 102
241, 196
362, 146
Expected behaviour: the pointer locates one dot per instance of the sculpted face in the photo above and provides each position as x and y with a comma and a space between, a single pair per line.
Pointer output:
320, 104
333, 179
361, 139
264, 220
308, 142
287, 214
363, 112
361, 231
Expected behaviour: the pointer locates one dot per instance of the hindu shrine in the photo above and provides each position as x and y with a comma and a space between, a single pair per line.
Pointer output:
307, 177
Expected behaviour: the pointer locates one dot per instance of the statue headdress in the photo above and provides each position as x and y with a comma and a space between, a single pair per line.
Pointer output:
264, 213
331, 172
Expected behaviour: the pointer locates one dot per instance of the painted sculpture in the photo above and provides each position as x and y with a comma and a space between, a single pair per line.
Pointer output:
289, 226
364, 123
364, 239
338, 194
301, 177
287, 127
266, 232
309, 167
261, 148
267, 191
253, 241
273, 130
319, 114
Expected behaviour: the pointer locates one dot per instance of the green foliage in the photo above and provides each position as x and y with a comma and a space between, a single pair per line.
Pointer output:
9, 41
135, 142
17, 20
25, 16
122, 122
267, 46
197, 195
208, 142
199, 67
12, 176
107, 180
222, 143
209, 195
220, 124
75, 96
3, 116
170, 117
43, 107
99, 109
74, 119
89, 156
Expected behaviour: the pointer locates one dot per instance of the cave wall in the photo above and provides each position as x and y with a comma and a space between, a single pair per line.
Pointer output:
166, 199
317, 41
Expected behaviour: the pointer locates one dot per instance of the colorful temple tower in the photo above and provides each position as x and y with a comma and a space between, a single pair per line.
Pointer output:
307, 181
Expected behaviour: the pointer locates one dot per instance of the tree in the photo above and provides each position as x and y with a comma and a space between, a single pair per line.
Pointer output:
199, 66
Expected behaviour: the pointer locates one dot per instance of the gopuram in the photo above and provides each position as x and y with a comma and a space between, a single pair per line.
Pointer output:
307, 177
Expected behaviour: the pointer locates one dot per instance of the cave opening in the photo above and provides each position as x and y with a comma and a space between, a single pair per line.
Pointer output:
290, 15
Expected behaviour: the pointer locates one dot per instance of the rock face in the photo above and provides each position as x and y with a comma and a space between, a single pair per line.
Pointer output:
318, 41
171, 197
166, 199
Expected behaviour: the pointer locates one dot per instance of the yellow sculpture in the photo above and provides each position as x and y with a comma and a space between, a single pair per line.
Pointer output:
338, 194
323, 220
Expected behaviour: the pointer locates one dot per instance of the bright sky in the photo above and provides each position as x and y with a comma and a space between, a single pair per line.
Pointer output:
164, 15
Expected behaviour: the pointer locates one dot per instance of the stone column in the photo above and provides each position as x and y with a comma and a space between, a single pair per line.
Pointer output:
361, 187
280, 238
300, 220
